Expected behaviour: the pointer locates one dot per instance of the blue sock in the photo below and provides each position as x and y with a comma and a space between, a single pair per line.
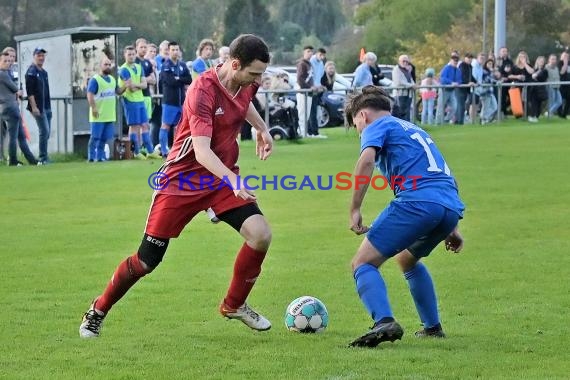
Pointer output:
163, 138
135, 141
146, 142
423, 292
372, 291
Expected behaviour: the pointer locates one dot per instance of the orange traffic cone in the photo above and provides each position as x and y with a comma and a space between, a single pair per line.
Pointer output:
362, 54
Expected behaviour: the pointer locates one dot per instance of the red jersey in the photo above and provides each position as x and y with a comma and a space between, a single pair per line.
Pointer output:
209, 110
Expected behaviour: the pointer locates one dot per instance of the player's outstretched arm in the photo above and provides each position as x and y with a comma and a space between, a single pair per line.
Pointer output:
208, 159
363, 170
454, 241
264, 141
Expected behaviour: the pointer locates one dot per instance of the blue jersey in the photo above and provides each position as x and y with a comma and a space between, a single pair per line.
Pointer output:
407, 151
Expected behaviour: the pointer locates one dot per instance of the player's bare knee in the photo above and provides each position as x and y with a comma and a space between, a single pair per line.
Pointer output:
261, 239
152, 251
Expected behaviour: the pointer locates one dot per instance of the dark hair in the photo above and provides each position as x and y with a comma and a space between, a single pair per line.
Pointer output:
308, 47
370, 97
172, 43
205, 42
128, 47
321, 50
247, 48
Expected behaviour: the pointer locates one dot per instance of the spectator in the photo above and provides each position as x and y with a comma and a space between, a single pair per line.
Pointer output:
39, 101
377, 75
329, 78
564, 89
487, 94
318, 66
538, 94
281, 83
132, 77
101, 91
449, 76
162, 56
10, 114
223, 55
203, 62
13, 72
362, 74
402, 77
554, 97
175, 78
522, 72
305, 81
505, 65
141, 46
463, 94
428, 96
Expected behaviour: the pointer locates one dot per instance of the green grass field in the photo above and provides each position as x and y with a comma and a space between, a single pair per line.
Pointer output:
504, 301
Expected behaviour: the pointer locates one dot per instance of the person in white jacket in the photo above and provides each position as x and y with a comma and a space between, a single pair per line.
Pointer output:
402, 77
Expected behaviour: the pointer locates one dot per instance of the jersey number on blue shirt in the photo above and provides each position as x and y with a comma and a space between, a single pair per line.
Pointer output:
431, 159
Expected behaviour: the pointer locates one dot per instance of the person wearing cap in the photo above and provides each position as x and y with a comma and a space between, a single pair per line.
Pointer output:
39, 101
449, 76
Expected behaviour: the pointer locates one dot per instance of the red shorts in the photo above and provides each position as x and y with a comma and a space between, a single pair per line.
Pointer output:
170, 213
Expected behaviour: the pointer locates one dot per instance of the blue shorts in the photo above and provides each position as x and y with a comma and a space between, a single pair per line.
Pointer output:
171, 114
415, 225
103, 130
135, 112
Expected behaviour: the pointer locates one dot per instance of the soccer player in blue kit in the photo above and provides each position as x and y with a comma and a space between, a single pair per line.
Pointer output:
425, 211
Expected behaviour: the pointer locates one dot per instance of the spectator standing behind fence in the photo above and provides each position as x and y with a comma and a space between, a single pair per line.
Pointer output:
402, 77
39, 100
101, 91
522, 72
10, 114
328, 80
463, 94
505, 66
174, 76
362, 74
554, 97
304, 82
538, 94
565, 88
487, 94
449, 76
428, 96
318, 66
203, 62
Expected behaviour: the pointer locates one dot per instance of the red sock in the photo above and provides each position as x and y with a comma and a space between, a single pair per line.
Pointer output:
126, 275
246, 269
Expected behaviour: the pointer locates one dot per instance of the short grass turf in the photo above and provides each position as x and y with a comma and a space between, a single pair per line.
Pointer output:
504, 301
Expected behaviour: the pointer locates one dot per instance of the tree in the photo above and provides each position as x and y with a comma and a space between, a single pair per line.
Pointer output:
387, 22
320, 18
288, 35
247, 16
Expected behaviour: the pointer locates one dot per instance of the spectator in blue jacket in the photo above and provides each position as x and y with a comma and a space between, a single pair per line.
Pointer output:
450, 76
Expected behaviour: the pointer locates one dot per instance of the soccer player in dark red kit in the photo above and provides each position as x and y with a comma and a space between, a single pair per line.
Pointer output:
216, 106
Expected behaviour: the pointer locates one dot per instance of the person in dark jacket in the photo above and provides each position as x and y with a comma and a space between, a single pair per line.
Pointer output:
39, 100
538, 94
174, 77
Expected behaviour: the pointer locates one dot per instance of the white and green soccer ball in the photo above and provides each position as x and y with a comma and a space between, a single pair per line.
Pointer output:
306, 315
